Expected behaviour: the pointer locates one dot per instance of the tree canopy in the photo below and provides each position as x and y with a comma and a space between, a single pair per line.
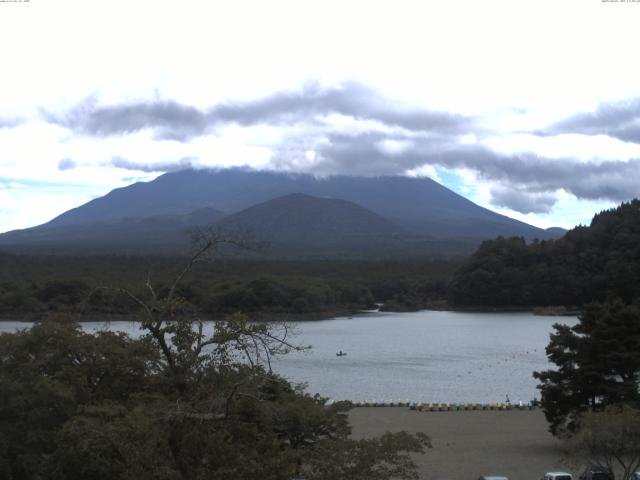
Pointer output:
36, 286
598, 364
180, 402
587, 264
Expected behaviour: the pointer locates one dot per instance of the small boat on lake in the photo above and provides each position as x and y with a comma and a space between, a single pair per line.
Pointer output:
341, 354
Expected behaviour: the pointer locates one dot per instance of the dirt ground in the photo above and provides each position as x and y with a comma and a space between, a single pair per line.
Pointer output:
467, 444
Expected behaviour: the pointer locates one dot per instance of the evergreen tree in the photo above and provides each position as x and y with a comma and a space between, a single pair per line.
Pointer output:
587, 264
598, 363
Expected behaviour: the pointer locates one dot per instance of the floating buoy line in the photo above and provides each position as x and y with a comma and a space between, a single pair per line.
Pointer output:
443, 407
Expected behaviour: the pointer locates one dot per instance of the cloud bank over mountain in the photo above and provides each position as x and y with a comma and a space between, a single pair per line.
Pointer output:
350, 128
618, 119
171, 120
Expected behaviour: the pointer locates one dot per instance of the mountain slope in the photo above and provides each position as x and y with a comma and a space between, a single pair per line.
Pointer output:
302, 226
302, 218
416, 204
128, 233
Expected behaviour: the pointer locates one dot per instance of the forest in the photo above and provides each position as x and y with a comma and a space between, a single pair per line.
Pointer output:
590, 263
36, 286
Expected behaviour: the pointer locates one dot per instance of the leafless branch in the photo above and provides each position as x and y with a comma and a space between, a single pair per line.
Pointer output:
150, 287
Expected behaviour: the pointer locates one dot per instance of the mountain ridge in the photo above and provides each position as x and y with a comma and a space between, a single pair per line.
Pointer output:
418, 204
339, 215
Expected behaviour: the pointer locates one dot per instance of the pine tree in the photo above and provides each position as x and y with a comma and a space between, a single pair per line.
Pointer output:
598, 363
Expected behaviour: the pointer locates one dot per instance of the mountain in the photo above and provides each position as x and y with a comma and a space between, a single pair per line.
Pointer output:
419, 205
297, 223
302, 218
555, 232
297, 214
132, 234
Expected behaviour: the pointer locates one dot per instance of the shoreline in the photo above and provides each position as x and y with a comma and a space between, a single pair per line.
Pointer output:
309, 316
257, 317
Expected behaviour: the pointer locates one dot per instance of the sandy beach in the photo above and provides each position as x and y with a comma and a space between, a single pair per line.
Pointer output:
467, 444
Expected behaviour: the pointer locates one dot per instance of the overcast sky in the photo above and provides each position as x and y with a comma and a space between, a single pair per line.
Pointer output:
530, 108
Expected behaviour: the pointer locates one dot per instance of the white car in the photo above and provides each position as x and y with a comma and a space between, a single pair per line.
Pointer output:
557, 476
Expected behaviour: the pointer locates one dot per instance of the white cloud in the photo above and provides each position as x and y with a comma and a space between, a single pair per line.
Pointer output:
425, 171
392, 146
577, 146
26, 205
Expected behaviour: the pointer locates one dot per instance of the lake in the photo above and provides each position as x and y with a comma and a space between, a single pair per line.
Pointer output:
429, 356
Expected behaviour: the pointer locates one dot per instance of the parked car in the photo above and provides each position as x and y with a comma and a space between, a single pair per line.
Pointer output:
596, 473
557, 476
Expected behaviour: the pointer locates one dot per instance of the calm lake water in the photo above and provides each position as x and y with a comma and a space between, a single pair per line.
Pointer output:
423, 356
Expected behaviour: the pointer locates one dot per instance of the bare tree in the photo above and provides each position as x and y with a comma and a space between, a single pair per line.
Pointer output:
186, 343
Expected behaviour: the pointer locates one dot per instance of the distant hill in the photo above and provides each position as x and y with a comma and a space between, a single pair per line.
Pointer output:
302, 218
555, 232
430, 218
586, 264
298, 223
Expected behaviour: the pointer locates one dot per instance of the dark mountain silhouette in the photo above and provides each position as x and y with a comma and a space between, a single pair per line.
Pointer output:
419, 205
165, 232
296, 225
298, 214
301, 218
299, 223
555, 232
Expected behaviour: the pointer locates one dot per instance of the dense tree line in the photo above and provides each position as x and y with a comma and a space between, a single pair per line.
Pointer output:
36, 286
264, 294
587, 264
418, 295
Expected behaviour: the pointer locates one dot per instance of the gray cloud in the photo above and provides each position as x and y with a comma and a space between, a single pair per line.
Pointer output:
619, 120
422, 137
538, 179
66, 164
181, 164
171, 120
522, 201
6, 122
351, 98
